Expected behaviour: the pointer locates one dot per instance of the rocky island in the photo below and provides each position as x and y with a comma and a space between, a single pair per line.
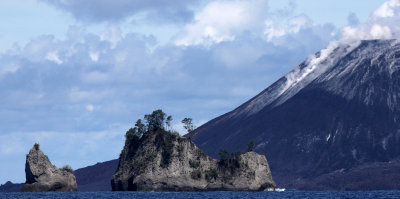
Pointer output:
154, 159
42, 176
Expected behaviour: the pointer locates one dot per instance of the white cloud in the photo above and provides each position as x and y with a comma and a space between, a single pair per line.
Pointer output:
382, 24
350, 32
129, 79
225, 21
95, 77
112, 34
380, 32
118, 10
238, 54
388, 9
271, 31
274, 29
10, 67
94, 56
90, 108
299, 22
221, 21
78, 95
52, 56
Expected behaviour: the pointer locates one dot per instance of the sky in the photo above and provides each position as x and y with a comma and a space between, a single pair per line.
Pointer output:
76, 74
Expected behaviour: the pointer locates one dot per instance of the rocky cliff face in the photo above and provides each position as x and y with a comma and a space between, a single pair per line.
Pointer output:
42, 176
161, 161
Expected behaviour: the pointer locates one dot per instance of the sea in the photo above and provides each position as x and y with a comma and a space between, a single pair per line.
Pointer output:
208, 195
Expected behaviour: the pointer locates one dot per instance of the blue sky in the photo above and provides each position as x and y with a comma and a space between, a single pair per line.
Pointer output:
75, 75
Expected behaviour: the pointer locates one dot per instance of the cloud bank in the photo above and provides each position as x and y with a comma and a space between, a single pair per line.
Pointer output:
220, 21
382, 24
117, 10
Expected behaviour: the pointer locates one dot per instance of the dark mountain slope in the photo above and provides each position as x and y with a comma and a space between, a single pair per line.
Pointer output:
96, 177
336, 111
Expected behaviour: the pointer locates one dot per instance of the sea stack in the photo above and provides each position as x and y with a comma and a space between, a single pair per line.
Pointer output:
164, 161
42, 176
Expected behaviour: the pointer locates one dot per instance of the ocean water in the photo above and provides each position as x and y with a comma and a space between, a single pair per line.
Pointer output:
207, 195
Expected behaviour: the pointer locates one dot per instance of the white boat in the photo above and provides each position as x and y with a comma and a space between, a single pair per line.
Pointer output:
280, 189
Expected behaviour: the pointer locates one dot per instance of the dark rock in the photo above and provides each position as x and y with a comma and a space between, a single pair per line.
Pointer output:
91, 178
42, 176
161, 161
11, 187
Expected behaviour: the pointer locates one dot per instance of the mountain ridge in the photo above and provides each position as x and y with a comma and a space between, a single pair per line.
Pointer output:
338, 117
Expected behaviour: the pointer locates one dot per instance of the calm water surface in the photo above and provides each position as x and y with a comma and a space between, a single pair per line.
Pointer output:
205, 195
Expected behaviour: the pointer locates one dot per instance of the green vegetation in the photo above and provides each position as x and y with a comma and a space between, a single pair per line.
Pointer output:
152, 123
188, 125
155, 120
211, 174
158, 124
140, 166
200, 154
155, 135
140, 128
165, 141
194, 164
67, 168
168, 122
250, 145
226, 155
132, 134
196, 174
36, 146
229, 160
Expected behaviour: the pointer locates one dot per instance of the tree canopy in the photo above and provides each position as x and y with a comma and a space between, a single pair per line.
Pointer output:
168, 122
250, 145
188, 125
155, 120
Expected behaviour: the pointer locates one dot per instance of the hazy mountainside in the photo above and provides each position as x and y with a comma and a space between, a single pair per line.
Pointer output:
96, 177
336, 111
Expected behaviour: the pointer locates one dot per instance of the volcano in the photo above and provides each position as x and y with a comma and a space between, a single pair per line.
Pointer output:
331, 123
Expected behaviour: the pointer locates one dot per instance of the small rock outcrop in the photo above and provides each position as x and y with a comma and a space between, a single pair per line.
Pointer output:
11, 187
42, 176
163, 161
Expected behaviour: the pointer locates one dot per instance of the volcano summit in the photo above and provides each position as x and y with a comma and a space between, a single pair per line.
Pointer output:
331, 123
